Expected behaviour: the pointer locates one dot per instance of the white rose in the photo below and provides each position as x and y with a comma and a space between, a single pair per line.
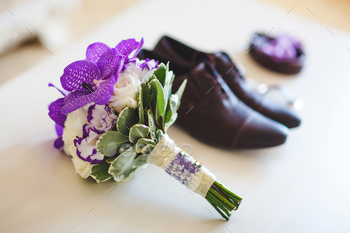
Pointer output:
73, 128
125, 91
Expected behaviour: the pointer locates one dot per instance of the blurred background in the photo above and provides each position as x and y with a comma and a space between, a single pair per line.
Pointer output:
32, 30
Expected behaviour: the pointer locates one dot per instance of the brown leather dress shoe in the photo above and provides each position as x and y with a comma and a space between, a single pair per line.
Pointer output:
210, 112
175, 51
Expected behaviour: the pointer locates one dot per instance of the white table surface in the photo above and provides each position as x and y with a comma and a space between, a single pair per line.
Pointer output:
301, 186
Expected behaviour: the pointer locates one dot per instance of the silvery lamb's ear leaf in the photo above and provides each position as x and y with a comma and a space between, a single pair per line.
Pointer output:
99, 172
160, 73
123, 162
169, 79
138, 131
142, 142
171, 122
127, 118
168, 69
125, 176
109, 143
180, 91
151, 124
172, 107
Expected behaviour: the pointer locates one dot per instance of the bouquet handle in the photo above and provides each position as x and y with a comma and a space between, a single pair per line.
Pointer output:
191, 173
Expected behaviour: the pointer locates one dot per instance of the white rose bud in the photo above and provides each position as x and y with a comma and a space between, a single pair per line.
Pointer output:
125, 91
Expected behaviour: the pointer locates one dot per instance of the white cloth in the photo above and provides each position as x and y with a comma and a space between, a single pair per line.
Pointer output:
166, 156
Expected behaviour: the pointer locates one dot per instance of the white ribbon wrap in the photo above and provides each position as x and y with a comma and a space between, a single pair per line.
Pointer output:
167, 156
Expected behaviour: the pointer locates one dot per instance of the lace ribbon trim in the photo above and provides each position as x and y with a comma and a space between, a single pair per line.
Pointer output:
185, 169
181, 166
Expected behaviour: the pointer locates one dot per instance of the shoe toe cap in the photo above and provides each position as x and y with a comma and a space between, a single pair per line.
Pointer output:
259, 131
290, 119
280, 113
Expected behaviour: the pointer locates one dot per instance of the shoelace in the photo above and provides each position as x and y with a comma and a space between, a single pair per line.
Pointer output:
218, 83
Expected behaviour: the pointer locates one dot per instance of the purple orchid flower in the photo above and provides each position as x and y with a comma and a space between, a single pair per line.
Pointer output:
92, 80
55, 112
95, 51
58, 144
58, 117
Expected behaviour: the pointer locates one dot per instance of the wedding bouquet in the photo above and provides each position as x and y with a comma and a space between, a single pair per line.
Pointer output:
113, 118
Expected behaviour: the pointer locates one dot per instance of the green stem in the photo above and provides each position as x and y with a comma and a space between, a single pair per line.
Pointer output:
218, 210
219, 204
223, 200
222, 187
233, 199
221, 210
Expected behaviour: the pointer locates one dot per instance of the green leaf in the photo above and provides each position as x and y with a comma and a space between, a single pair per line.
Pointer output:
168, 116
151, 124
159, 134
142, 142
126, 175
100, 172
173, 103
171, 122
160, 73
124, 147
140, 106
138, 131
127, 118
123, 162
180, 91
147, 95
158, 102
153, 77
140, 161
109, 143
171, 114
169, 79
110, 160
147, 149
